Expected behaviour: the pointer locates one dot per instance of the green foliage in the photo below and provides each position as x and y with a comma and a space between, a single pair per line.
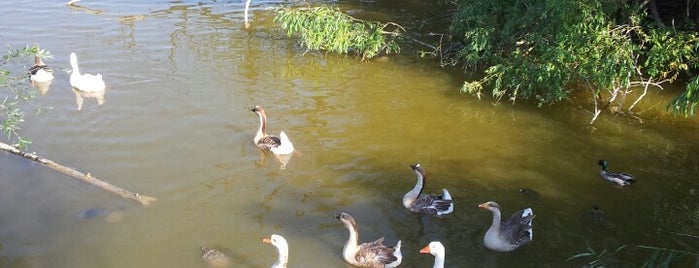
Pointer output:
537, 49
329, 29
597, 259
658, 258
18, 92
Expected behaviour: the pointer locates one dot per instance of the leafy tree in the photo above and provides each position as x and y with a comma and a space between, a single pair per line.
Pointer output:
329, 29
17, 92
538, 49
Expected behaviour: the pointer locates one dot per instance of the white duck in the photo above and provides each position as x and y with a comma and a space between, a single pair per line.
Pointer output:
374, 254
511, 234
84, 82
437, 250
431, 204
278, 145
282, 250
40, 72
214, 258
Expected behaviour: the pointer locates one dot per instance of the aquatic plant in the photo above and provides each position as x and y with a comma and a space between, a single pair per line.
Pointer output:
659, 257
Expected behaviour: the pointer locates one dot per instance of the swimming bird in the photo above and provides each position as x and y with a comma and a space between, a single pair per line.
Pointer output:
431, 204
40, 72
511, 234
620, 179
214, 258
277, 145
437, 250
84, 82
282, 250
371, 254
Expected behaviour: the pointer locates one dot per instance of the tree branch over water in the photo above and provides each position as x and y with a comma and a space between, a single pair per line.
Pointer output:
142, 199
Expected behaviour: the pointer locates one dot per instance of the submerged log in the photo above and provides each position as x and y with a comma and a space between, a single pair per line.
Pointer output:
144, 200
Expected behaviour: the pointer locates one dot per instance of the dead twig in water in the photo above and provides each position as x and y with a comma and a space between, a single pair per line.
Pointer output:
144, 200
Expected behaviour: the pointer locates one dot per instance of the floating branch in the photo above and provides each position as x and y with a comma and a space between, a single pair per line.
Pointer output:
144, 200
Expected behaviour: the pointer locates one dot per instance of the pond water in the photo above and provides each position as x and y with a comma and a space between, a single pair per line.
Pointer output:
176, 124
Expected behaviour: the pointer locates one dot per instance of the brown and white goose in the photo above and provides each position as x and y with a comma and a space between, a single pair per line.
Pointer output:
282, 250
279, 145
214, 258
511, 234
431, 204
437, 250
40, 72
371, 254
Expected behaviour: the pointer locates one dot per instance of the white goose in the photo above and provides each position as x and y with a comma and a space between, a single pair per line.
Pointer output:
282, 250
431, 204
437, 250
84, 82
214, 258
509, 235
374, 254
278, 145
40, 72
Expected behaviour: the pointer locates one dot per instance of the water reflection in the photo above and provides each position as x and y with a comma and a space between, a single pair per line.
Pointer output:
282, 160
42, 87
81, 95
72, 4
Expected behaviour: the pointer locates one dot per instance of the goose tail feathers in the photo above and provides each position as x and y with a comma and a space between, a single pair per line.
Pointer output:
447, 197
286, 147
528, 214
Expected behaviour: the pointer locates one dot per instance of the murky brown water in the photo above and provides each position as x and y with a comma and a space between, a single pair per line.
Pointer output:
176, 125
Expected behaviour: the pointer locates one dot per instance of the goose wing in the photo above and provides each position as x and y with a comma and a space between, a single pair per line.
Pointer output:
269, 142
432, 204
375, 254
517, 230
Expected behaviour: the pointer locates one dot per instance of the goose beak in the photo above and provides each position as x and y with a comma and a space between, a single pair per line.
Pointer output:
425, 250
484, 205
337, 216
267, 240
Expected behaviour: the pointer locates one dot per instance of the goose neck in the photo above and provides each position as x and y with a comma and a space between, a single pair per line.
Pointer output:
438, 260
413, 194
495, 226
351, 247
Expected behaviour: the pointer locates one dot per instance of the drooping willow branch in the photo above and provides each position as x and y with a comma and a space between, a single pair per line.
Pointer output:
329, 29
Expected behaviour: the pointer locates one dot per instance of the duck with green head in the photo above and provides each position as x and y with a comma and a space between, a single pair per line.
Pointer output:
619, 178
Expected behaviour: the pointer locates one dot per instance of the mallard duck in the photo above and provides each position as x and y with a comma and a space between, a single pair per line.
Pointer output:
511, 234
431, 204
282, 249
214, 258
372, 254
40, 72
621, 179
277, 145
84, 82
437, 250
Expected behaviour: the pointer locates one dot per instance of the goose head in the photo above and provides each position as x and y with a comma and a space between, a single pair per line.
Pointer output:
347, 219
258, 109
490, 205
418, 169
435, 248
603, 163
280, 243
